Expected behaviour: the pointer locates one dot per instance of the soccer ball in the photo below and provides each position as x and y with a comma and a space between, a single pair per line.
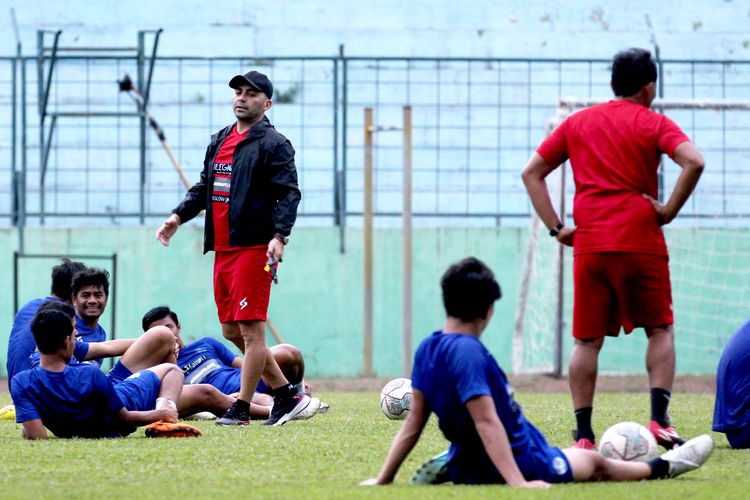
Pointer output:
395, 398
629, 441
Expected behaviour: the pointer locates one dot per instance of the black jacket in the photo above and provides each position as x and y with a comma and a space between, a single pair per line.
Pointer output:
263, 196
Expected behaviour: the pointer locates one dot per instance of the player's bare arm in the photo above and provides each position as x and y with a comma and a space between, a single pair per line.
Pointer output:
167, 229
108, 348
139, 418
687, 156
404, 442
534, 175
33, 429
496, 444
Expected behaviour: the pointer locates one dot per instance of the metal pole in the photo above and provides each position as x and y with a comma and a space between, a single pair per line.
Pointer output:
342, 177
142, 129
407, 242
368, 243
24, 165
560, 324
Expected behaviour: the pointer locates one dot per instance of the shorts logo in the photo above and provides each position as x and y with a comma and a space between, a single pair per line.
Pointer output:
243, 303
560, 466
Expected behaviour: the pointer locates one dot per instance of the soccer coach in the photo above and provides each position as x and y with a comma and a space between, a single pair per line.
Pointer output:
249, 190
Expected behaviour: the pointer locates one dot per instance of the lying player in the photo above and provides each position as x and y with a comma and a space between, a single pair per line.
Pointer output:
77, 400
208, 361
456, 377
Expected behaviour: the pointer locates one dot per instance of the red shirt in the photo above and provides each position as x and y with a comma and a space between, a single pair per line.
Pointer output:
614, 151
220, 192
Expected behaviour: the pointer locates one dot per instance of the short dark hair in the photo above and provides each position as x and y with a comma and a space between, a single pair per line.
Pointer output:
62, 275
51, 324
631, 70
91, 276
156, 314
469, 289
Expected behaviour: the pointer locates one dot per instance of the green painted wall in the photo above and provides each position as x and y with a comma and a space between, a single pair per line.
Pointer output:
318, 304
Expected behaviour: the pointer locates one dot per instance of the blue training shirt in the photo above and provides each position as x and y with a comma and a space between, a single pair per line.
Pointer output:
732, 407
86, 334
21, 341
451, 369
208, 361
76, 402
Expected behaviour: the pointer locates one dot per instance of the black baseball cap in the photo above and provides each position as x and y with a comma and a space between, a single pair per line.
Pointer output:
256, 80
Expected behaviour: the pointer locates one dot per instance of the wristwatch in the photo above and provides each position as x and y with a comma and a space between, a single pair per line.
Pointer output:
556, 230
281, 238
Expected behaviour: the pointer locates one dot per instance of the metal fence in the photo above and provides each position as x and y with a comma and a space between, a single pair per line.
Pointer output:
476, 121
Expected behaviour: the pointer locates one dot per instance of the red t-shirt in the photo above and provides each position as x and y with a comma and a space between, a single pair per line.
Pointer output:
614, 151
220, 193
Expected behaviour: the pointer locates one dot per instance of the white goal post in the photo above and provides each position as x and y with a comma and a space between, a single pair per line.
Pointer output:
709, 248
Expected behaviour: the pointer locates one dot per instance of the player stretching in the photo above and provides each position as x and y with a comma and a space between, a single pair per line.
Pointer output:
621, 265
457, 378
248, 188
78, 400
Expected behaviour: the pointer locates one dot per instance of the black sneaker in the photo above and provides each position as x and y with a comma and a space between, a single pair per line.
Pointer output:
285, 409
235, 415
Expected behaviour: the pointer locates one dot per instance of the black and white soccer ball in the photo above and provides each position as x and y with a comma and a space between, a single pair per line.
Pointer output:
395, 398
629, 441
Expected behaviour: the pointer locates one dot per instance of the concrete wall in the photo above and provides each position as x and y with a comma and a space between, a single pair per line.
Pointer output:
578, 28
318, 304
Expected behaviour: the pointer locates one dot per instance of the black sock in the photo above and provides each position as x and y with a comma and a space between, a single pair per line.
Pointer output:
659, 403
583, 423
242, 405
659, 468
285, 391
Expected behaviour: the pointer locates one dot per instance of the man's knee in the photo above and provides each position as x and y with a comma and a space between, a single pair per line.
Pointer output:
253, 331
592, 345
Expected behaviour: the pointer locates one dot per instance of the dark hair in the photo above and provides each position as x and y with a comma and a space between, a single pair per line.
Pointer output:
469, 289
156, 314
62, 275
631, 70
91, 276
51, 324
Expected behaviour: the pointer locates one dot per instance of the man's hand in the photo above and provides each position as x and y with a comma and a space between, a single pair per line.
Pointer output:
275, 249
661, 211
167, 414
534, 484
167, 229
566, 236
373, 481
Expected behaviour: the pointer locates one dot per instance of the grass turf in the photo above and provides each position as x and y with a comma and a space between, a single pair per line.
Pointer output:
327, 456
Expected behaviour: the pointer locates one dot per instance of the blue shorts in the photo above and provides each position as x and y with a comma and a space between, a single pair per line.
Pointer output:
548, 464
139, 391
118, 373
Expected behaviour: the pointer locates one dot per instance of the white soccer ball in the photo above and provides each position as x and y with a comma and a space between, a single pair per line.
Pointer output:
395, 398
629, 441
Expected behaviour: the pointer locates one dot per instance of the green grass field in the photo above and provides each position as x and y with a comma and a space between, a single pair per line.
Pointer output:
327, 456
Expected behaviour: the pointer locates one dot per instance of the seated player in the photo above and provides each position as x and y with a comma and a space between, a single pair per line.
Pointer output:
20, 341
209, 361
456, 377
77, 400
154, 347
732, 407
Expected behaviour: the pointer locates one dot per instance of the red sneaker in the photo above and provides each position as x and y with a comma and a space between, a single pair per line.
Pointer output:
665, 436
584, 444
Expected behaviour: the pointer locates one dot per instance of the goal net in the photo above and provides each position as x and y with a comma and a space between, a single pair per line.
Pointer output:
709, 248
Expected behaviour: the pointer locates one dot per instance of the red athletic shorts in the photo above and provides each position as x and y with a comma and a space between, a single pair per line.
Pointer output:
613, 290
242, 287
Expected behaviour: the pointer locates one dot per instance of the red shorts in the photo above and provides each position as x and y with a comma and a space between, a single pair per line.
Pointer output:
242, 287
613, 290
